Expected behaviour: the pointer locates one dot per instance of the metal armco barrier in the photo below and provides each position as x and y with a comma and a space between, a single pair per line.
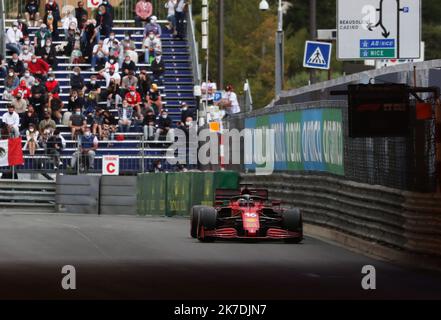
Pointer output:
78, 194
24, 195
118, 195
399, 219
174, 194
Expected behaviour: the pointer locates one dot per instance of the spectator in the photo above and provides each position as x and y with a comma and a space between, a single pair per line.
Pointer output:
150, 46
97, 123
47, 122
231, 103
100, 55
11, 83
88, 40
52, 17
41, 36
75, 101
81, 15
109, 8
88, 145
185, 112
128, 66
27, 42
129, 81
111, 63
54, 146
31, 12
93, 87
170, 5
77, 123
153, 26
31, 139
157, 167
38, 98
17, 65
23, 90
127, 48
77, 80
149, 123
76, 55
133, 98
208, 90
69, 22
125, 114
143, 10
38, 68
113, 94
12, 121
180, 18
89, 108
20, 104
111, 74
29, 118
13, 38
158, 69
25, 54
55, 107
144, 83
104, 22
48, 53
52, 86
154, 99
22, 26
3, 67
164, 127
109, 126
109, 40
114, 49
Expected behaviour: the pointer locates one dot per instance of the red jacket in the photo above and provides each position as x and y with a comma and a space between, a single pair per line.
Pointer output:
39, 67
133, 100
25, 92
53, 87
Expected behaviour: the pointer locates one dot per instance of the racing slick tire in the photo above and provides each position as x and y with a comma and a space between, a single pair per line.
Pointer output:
207, 222
292, 221
194, 220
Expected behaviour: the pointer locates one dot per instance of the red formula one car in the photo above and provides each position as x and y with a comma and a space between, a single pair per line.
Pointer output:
246, 214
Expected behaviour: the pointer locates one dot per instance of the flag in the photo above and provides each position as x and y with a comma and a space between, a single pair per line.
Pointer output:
11, 152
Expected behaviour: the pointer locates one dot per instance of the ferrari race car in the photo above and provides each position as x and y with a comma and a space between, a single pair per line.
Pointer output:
246, 214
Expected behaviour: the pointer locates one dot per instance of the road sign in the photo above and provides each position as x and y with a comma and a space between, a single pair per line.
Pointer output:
93, 3
317, 55
378, 29
218, 96
110, 165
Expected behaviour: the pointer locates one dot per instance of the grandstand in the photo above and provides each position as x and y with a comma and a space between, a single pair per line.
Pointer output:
135, 154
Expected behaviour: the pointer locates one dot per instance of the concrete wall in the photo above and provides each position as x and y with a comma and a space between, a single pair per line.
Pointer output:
118, 196
78, 194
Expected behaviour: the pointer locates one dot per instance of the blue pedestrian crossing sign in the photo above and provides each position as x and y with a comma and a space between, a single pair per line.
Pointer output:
317, 55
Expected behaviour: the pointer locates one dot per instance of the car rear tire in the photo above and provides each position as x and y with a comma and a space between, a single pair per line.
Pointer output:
207, 222
292, 221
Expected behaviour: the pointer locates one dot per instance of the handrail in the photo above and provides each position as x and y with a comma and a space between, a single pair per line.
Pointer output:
194, 46
248, 97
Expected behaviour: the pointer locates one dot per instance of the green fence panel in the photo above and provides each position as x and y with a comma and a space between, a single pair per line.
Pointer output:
140, 195
202, 192
226, 180
178, 194
153, 191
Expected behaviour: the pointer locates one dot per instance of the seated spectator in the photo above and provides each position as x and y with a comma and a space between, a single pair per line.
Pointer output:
97, 123
29, 45
104, 22
41, 36
111, 74
75, 101
23, 26
81, 14
52, 17
154, 99
93, 87
150, 46
44, 137
77, 123
114, 51
12, 121
143, 10
149, 123
158, 69
54, 146
185, 112
23, 90
20, 104
69, 22
76, 56
30, 117
186, 125
38, 98
88, 146
31, 12
25, 55
208, 90
113, 94
48, 53
133, 98
28, 80
17, 65
109, 126
31, 139
127, 66
152, 26
170, 5
157, 167
111, 63
128, 81
38, 68
52, 86
14, 36
55, 107
47, 122
144, 83
11, 83
90, 107
100, 55
164, 130
127, 47
77, 80
125, 114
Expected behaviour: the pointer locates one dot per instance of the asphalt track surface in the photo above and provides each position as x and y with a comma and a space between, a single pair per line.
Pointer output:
154, 258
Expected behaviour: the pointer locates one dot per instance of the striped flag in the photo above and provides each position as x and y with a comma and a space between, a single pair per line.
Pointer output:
11, 152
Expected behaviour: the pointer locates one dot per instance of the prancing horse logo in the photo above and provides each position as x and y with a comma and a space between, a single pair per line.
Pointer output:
2, 152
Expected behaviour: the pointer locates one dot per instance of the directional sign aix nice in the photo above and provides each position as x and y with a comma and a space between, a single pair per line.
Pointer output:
378, 29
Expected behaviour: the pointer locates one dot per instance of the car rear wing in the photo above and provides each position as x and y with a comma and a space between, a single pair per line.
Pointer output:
227, 194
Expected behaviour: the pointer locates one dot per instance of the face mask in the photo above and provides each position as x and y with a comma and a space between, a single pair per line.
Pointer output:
11, 74
188, 123
112, 61
87, 134
92, 81
132, 93
31, 129
14, 28
127, 38
78, 113
76, 73
184, 109
152, 36
25, 51
15, 60
27, 42
34, 60
48, 44
36, 84
50, 79
112, 37
164, 116
77, 38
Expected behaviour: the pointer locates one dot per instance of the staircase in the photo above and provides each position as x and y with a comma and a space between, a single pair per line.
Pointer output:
178, 87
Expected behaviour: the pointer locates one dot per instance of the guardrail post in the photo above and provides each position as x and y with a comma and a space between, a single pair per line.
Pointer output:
438, 142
